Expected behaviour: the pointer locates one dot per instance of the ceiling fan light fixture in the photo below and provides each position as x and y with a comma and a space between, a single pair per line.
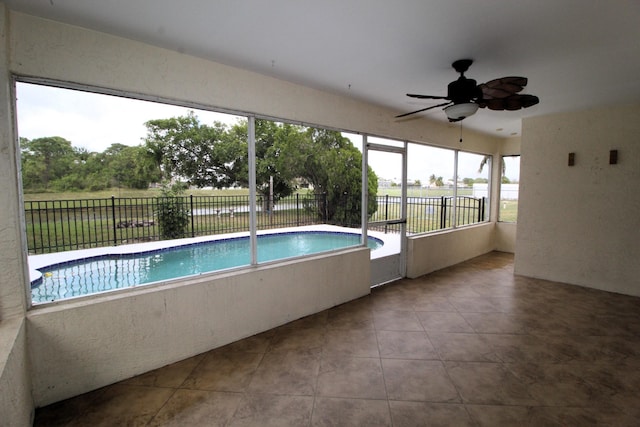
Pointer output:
457, 112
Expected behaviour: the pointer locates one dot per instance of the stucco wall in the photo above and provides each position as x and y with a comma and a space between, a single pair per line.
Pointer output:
505, 236
12, 257
78, 347
439, 250
580, 224
16, 404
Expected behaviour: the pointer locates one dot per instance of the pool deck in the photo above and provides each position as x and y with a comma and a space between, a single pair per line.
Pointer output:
391, 246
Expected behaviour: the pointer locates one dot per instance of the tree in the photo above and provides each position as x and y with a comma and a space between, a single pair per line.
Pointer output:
332, 164
215, 155
270, 138
485, 161
45, 160
218, 156
436, 180
203, 155
131, 167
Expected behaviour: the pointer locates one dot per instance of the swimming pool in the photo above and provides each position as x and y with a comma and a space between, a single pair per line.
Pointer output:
107, 272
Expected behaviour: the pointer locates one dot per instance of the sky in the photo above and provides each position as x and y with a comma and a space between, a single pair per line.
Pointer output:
95, 121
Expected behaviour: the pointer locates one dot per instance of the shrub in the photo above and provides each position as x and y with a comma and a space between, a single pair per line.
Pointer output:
172, 212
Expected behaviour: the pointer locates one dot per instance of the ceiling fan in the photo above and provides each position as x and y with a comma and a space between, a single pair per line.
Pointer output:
464, 96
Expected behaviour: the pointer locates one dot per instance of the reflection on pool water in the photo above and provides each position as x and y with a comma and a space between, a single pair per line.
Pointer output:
108, 272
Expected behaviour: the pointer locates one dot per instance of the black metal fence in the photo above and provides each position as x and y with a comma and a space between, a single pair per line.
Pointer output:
426, 214
61, 225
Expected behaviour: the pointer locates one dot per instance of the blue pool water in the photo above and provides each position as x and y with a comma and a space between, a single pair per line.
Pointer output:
108, 272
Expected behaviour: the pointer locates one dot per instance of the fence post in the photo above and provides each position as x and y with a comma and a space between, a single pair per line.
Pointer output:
443, 212
386, 212
113, 216
297, 210
193, 233
326, 208
481, 210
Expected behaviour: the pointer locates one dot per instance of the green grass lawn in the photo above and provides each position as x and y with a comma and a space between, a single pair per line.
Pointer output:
508, 211
126, 192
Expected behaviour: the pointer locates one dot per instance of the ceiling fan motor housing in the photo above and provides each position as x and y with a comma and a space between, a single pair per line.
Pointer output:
462, 90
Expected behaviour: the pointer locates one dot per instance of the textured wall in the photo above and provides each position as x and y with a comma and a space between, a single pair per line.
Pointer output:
16, 403
439, 250
12, 257
580, 224
78, 347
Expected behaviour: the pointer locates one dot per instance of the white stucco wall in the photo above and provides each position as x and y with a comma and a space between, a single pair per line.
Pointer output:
580, 224
505, 236
435, 251
16, 403
12, 256
80, 346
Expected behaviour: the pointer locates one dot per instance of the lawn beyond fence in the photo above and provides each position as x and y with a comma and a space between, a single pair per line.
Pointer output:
426, 214
62, 225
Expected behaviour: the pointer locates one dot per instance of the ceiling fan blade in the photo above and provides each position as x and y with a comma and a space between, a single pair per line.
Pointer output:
502, 87
509, 103
415, 95
423, 109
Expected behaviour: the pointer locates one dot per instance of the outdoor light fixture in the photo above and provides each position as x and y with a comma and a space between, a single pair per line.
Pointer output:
457, 112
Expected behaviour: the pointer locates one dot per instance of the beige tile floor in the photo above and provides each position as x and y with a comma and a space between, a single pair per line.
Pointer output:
471, 345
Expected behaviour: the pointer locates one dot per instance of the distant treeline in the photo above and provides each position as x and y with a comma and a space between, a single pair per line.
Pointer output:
200, 155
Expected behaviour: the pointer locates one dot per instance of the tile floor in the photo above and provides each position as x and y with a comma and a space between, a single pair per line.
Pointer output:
471, 345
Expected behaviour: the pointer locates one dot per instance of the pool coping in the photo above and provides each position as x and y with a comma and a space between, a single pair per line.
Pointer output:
391, 246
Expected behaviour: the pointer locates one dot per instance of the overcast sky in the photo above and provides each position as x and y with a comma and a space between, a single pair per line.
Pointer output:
96, 121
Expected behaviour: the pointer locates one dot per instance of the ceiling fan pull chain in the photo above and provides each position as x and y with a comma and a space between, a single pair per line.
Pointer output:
460, 131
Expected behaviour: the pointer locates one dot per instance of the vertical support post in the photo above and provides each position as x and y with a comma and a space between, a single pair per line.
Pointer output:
454, 218
403, 212
251, 142
297, 210
364, 199
443, 212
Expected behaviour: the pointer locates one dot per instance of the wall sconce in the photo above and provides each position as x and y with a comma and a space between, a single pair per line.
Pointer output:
613, 157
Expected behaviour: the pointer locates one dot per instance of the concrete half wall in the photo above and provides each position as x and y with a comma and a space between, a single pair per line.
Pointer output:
16, 404
435, 251
78, 347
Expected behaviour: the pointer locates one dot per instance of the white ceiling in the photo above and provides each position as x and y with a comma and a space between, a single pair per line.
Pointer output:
577, 54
